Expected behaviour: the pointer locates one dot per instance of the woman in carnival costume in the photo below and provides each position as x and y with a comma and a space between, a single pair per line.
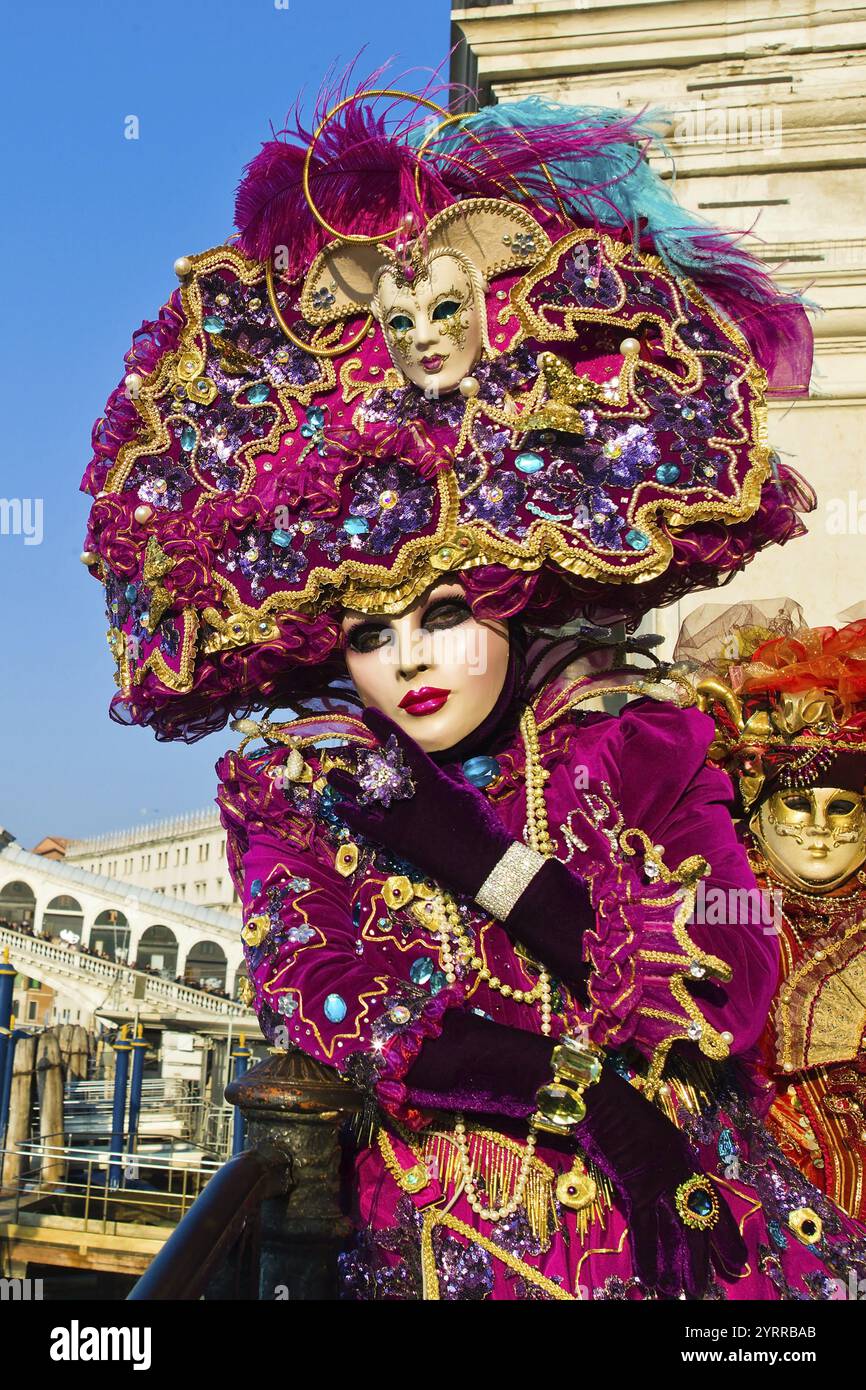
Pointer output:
458, 382
789, 702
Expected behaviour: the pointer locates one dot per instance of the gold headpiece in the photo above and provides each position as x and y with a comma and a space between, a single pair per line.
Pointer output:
490, 233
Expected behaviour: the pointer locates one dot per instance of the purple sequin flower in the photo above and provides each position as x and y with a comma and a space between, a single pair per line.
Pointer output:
161, 482
491, 442
383, 774
605, 523
624, 456
395, 500
260, 558
559, 491
320, 532
496, 499
588, 284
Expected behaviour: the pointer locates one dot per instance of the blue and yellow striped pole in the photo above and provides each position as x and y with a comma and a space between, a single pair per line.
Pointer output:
139, 1048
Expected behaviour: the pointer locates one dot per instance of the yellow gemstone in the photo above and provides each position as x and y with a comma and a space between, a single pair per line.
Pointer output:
560, 1105
576, 1061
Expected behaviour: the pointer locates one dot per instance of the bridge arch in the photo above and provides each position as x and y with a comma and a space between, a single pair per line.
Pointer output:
63, 914
158, 950
110, 934
206, 964
18, 903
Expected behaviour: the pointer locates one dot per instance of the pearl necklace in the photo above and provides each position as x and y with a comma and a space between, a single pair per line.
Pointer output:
450, 929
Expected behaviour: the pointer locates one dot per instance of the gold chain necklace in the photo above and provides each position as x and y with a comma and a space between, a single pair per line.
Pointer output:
450, 929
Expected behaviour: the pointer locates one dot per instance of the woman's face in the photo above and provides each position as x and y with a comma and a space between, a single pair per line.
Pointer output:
435, 669
814, 837
433, 329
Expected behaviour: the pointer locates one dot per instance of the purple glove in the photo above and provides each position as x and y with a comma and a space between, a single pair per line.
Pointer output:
448, 829
480, 1066
477, 1065
646, 1159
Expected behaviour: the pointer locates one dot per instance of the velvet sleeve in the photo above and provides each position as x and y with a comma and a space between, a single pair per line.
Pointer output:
667, 790
316, 984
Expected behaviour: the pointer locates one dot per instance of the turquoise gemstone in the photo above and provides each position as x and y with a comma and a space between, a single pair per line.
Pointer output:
187, 439
777, 1235
528, 463
255, 887
421, 970
481, 770
727, 1146
213, 324
437, 981
281, 538
637, 540
315, 417
258, 393
356, 525
335, 1008
130, 593
667, 473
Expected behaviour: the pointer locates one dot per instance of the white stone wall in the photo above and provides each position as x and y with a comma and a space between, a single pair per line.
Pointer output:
767, 126
182, 858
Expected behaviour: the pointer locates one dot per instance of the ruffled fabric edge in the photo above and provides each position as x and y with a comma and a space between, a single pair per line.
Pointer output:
641, 968
401, 1051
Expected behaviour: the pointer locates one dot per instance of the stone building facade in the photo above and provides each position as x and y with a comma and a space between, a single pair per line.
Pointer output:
766, 123
181, 857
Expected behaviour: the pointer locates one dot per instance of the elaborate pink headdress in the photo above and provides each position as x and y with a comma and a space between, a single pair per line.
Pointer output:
265, 460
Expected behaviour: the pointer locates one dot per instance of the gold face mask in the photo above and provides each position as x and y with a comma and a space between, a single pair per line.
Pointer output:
814, 837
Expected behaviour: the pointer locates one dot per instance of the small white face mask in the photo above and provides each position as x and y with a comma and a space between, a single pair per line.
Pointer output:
432, 325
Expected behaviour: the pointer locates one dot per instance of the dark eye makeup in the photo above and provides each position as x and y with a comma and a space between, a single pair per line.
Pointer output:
440, 613
367, 637
447, 612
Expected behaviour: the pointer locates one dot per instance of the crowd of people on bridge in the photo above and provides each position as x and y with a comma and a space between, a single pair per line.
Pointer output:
205, 985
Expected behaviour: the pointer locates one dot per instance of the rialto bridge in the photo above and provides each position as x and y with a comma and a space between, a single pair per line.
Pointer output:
121, 950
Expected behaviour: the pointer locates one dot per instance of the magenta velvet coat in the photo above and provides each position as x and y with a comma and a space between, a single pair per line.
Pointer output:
358, 985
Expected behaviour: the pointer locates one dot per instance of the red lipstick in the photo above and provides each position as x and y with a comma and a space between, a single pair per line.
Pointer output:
424, 701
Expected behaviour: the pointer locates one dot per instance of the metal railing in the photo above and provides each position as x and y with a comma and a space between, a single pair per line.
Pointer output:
271, 1222
78, 1181
220, 1238
155, 1088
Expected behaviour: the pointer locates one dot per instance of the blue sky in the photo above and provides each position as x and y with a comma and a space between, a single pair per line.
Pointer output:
92, 224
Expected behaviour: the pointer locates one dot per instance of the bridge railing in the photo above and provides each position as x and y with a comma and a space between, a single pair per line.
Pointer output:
169, 994
270, 1224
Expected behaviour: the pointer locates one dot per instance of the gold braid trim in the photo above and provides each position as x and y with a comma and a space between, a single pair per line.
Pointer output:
687, 874
413, 1179
433, 1216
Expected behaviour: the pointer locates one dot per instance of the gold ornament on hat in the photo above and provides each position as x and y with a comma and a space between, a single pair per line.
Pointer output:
566, 392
